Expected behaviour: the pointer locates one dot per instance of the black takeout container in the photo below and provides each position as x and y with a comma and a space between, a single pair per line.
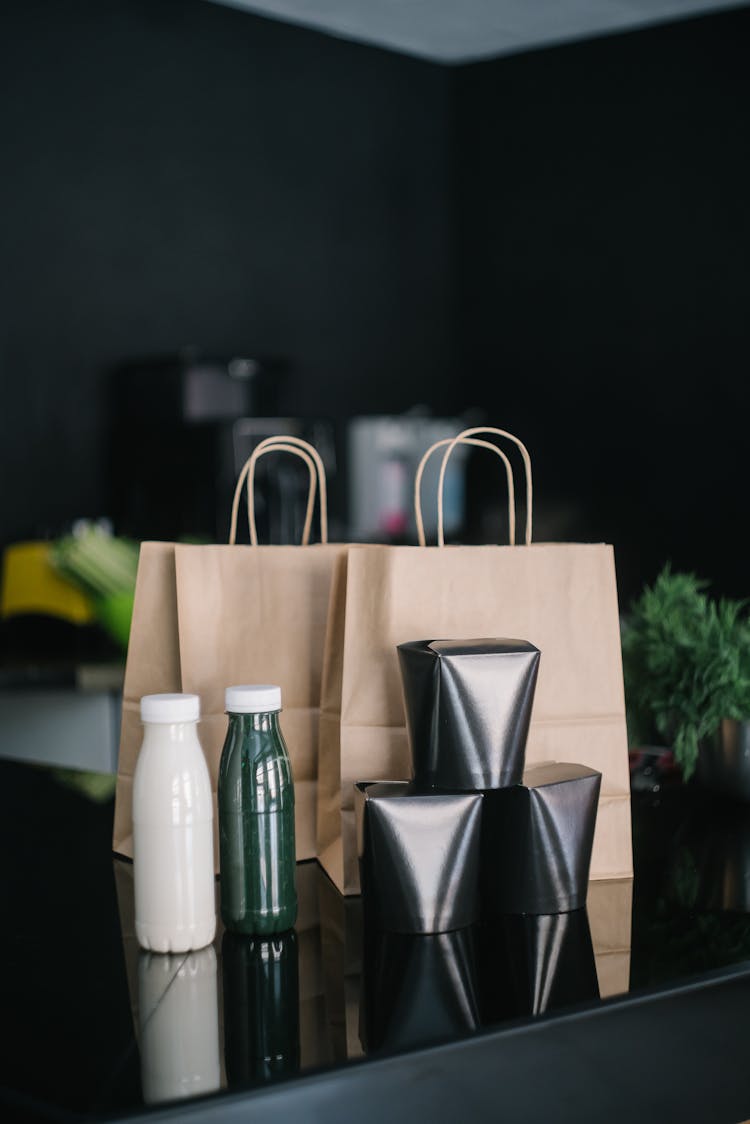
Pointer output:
537, 839
419, 857
468, 707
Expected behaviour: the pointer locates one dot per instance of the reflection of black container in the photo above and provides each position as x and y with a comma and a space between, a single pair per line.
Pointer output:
417, 988
419, 857
468, 707
537, 840
261, 1006
535, 963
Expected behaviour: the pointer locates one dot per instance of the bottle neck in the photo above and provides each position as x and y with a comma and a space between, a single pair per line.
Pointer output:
265, 723
174, 732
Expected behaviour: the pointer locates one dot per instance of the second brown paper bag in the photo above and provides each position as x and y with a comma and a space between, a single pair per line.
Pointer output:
560, 596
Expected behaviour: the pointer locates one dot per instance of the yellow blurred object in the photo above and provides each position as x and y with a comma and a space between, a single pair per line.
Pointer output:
31, 585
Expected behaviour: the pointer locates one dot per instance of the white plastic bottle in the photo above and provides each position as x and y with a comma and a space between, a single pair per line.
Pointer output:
173, 852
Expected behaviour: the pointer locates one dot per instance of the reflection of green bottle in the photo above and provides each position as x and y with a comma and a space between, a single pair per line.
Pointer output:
256, 816
261, 1006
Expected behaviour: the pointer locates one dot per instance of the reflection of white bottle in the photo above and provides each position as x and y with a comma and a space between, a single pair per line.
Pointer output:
179, 1021
173, 854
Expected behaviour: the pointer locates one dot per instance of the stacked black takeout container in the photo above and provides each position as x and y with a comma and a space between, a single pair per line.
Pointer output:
471, 870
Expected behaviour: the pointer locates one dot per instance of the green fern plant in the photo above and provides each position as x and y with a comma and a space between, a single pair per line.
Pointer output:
686, 660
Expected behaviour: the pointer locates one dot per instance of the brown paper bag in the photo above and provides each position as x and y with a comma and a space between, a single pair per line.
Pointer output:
206, 617
560, 596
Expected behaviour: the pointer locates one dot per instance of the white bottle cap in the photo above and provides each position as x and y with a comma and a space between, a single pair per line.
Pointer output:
170, 708
253, 698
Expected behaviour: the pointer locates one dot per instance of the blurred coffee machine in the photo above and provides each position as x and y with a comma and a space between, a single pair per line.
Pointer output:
183, 426
383, 455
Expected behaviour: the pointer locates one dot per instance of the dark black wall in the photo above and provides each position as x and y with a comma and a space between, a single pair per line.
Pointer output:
179, 173
561, 238
605, 241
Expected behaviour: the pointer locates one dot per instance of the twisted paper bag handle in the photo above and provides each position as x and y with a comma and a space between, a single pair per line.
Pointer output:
282, 443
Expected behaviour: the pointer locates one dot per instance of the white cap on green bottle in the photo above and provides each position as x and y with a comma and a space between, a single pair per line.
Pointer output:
252, 698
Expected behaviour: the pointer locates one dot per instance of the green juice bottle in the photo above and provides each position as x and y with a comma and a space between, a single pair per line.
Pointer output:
256, 816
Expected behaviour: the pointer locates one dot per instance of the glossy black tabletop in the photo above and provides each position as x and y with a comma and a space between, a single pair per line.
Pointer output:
97, 1028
